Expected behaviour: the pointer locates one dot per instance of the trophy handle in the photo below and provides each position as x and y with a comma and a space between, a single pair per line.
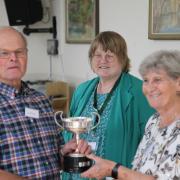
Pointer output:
56, 121
97, 120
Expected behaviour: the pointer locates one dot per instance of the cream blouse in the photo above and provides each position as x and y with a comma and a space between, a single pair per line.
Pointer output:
159, 151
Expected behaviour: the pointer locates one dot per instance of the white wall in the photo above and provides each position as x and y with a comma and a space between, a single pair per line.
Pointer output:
127, 17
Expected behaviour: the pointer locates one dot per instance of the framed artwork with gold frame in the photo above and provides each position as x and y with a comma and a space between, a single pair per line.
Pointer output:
82, 20
164, 19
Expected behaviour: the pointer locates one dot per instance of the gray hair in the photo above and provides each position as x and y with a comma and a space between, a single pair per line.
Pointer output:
167, 60
15, 30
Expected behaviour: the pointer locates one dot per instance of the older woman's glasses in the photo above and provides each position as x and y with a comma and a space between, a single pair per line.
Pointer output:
19, 53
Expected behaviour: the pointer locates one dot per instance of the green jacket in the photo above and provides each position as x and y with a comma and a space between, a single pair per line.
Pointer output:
130, 112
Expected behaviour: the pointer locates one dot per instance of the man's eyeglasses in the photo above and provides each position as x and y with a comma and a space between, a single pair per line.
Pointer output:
5, 54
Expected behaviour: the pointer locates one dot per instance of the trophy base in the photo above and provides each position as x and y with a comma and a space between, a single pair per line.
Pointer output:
76, 163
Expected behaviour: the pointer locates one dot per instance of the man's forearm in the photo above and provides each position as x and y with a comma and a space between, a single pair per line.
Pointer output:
4, 175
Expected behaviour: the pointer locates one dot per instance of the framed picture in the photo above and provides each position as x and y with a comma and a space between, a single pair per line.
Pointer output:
164, 19
82, 20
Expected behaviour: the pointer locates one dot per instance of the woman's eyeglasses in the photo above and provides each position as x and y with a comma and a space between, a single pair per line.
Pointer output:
106, 56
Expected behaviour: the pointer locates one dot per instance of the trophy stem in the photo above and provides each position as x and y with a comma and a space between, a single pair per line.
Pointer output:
77, 140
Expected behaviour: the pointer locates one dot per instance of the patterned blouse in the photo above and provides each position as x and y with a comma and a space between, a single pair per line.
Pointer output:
96, 137
159, 151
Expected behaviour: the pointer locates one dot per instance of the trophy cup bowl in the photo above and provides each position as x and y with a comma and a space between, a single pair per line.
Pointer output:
76, 162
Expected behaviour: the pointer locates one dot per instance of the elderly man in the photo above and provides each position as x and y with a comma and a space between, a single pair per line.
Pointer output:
30, 142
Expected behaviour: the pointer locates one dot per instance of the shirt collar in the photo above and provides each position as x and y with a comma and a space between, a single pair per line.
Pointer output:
11, 92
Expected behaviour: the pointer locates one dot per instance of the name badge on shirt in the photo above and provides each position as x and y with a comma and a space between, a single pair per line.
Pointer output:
33, 113
93, 145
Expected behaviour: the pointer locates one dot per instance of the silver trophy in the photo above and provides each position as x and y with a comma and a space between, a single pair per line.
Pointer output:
76, 162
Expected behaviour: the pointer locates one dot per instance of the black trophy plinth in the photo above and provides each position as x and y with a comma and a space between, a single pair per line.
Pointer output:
76, 163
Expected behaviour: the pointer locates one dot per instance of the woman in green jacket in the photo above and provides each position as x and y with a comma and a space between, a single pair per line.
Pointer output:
117, 97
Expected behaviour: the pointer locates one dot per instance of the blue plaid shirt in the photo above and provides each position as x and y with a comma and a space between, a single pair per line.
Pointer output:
29, 146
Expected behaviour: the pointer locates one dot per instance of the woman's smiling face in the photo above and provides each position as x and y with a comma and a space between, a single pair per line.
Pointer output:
106, 64
160, 89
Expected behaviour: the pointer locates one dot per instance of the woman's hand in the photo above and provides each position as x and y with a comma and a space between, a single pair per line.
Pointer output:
102, 168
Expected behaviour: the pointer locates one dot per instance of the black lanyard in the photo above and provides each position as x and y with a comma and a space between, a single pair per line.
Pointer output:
107, 98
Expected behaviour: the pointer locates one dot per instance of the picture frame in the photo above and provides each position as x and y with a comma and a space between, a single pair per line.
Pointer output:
82, 20
164, 20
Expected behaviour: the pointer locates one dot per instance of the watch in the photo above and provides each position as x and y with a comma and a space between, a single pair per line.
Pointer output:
114, 173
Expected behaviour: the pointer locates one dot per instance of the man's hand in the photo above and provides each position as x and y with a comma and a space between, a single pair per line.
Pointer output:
72, 146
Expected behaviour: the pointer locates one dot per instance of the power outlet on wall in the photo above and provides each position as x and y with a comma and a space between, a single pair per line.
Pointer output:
52, 46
